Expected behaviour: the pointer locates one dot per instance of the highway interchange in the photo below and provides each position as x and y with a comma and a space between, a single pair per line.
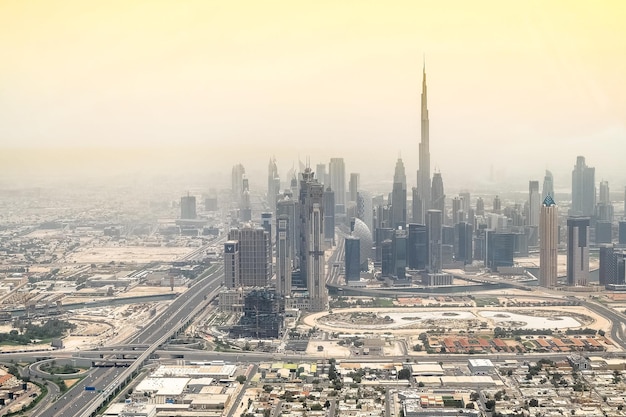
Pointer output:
79, 402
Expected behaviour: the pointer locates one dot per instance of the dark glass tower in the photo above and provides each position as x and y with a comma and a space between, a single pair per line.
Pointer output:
434, 223
352, 258
417, 250
577, 250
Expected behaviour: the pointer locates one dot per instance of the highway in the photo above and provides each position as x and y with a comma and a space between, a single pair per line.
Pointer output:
53, 393
617, 330
78, 402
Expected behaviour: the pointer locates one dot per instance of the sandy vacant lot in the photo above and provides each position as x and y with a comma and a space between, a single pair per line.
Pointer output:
404, 316
127, 254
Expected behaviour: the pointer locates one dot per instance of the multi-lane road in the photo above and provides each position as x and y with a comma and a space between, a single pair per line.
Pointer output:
79, 402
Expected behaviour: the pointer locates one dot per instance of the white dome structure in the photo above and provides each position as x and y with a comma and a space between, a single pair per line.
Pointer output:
363, 233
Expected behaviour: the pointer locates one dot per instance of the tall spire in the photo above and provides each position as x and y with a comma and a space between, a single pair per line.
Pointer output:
423, 173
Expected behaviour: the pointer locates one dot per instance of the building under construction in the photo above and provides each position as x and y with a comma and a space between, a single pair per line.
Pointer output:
263, 315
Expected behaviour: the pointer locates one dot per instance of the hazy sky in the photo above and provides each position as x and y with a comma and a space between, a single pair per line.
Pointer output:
520, 86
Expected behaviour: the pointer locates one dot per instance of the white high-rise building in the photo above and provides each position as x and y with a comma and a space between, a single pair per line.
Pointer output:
337, 174
283, 256
534, 203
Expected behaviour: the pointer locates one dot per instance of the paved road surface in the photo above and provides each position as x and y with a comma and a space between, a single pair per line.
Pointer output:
76, 401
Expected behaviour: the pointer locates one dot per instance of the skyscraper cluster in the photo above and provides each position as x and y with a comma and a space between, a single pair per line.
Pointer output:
422, 238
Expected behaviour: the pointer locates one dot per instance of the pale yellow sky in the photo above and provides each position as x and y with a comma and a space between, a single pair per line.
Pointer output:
531, 82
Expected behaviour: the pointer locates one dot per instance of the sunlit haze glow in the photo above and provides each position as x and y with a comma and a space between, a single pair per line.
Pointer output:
164, 86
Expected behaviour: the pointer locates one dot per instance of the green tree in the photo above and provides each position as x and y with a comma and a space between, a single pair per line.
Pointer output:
404, 374
490, 405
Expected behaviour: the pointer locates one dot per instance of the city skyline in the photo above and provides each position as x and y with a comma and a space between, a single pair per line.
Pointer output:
216, 84
200, 210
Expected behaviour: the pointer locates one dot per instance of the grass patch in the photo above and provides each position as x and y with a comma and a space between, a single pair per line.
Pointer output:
382, 302
487, 301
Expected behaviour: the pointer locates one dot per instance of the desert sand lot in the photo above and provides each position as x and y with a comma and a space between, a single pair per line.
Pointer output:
561, 263
127, 254
411, 318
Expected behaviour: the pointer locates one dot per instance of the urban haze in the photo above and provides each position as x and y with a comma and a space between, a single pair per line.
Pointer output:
312, 209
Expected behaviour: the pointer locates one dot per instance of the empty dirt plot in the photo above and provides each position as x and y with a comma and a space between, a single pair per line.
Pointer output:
408, 320
127, 254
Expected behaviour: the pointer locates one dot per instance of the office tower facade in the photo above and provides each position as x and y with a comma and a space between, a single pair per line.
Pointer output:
612, 266
273, 184
322, 175
577, 251
366, 241
353, 186
423, 173
288, 207
583, 189
447, 235
604, 208
284, 252
463, 241
232, 278
471, 217
438, 197
352, 259
434, 224
604, 194
400, 243
237, 174
456, 210
480, 206
607, 273
337, 177
465, 197
417, 246
621, 235
604, 232
534, 204
548, 242
548, 185
255, 259
380, 235
497, 205
294, 187
312, 239
188, 207
365, 209
500, 249
245, 213
329, 216
398, 196
417, 209
387, 257
266, 224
